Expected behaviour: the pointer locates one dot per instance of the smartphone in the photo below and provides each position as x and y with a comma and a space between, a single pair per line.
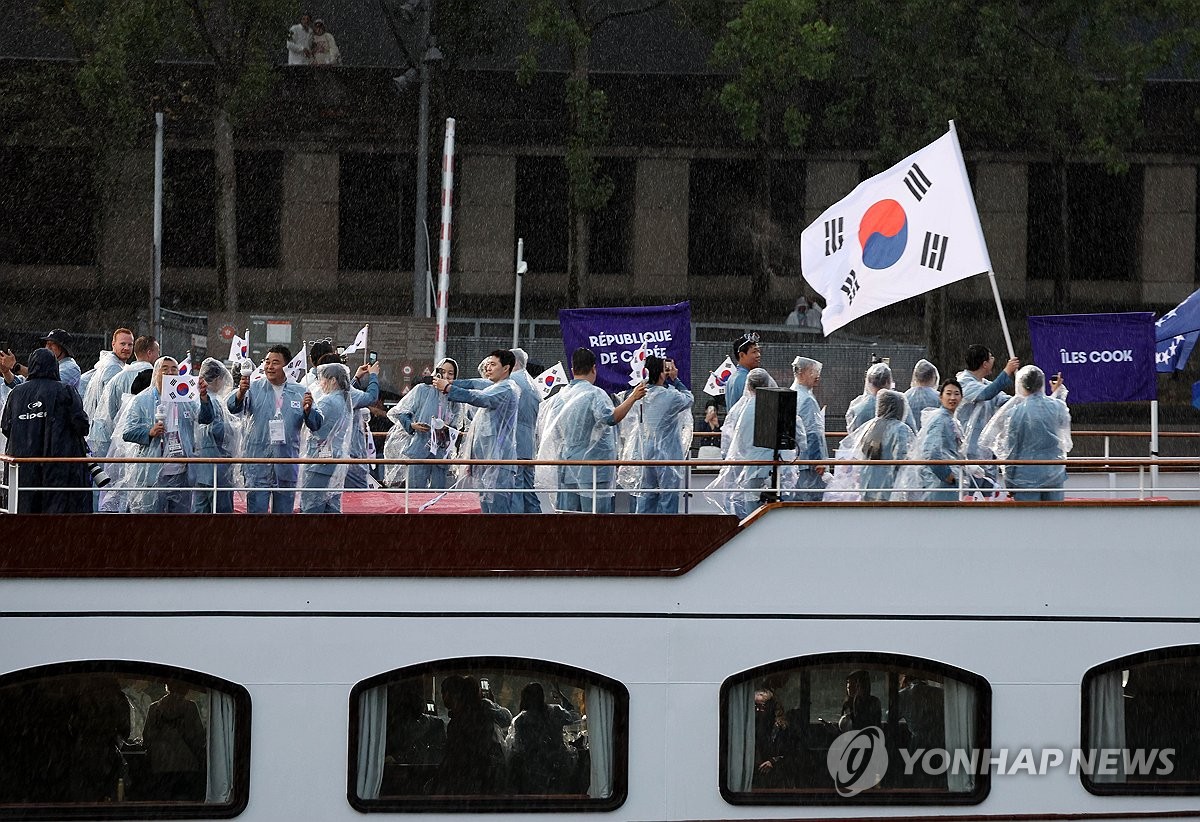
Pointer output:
341, 349
373, 358
5, 345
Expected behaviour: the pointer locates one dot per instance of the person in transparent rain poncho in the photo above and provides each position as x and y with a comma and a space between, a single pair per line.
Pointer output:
150, 426
493, 433
735, 413
807, 480
737, 489
426, 427
982, 397
940, 438
923, 391
333, 416
527, 417
658, 427
862, 408
113, 399
1032, 426
219, 438
887, 437
584, 428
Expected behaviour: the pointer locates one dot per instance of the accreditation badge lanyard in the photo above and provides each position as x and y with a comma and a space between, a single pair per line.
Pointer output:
275, 427
173, 445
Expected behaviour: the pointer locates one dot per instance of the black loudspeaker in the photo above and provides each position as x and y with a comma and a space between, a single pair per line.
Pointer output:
775, 418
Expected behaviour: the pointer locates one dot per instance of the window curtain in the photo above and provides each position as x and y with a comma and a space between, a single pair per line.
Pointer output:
960, 709
372, 736
1106, 723
220, 747
739, 713
600, 710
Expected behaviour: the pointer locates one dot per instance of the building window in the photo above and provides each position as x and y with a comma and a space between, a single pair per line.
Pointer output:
1104, 215
47, 205
488, 734
375, 215
259, 182
720, 198
611, 249
541, 218
110, 739
190, 203
841, 728
1140, 724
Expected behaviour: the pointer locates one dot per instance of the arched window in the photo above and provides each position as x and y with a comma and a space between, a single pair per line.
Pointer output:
854, 728
488, 734
105, 739
1140, 724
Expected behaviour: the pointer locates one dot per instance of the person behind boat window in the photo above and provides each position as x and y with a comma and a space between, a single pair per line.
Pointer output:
661, 430
888, 437
415, 416
922, 708
982, 398
747, 355
861, 709
473, 760
501, 717
97, 724
541, 761
922, 392
585, 429
1033, 426
175, 747
774, 742
810, 431
493, 434
414, 737
274, 411
941, 438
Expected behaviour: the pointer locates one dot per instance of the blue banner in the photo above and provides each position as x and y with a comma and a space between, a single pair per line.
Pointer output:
616, 334
1102, 357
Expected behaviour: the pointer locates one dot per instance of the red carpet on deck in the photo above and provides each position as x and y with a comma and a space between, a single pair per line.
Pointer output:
392, 502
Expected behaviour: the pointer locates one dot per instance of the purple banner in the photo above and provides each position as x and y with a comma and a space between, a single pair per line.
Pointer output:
616, 334
1102, 357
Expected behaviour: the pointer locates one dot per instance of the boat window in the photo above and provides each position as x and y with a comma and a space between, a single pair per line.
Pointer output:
854, 728
112, 739
1140, 725
488, 734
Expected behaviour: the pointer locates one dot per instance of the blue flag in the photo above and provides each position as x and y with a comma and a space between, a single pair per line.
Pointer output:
1102, 357
1176, 333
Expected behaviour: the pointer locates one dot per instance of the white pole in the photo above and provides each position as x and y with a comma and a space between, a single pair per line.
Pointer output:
156, 286
1153, 445
443, 292
521, 269
366, 343
966, 181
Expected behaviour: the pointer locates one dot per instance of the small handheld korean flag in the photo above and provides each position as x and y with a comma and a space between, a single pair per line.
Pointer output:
637, 365
901, 233
260, 373
296, 369
239, 349
715, 387
185, 367
550, 378
360, 342
178, 388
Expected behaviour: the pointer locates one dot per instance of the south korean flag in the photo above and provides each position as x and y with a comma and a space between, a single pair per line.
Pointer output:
180, 388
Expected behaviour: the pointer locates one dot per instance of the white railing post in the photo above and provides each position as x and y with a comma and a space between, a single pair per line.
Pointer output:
1112, 477
407, 485
14, 483
595, 489
687, 484
215, 486
1141, 482
962, 481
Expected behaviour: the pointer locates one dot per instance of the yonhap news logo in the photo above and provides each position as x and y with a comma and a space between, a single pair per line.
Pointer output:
857, 761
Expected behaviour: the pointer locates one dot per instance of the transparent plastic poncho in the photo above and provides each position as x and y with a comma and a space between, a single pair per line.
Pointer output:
322, 482
1031, 426
135, 487
426, 405
887, 437
659, 426
577, 426
492, 436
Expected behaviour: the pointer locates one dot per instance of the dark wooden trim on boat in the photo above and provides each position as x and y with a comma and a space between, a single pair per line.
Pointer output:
359, 545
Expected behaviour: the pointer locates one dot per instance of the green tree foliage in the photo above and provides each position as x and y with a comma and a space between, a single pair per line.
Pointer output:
572, 24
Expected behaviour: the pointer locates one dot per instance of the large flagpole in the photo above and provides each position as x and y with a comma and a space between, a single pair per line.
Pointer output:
962, 167
443, 289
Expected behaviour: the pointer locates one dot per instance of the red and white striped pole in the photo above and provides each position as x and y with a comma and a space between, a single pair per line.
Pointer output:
443, 289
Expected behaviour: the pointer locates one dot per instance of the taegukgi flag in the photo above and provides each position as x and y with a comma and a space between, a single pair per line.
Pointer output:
239, 349
550, 378
901, 233
298, 366
360, 341
715, 387
180, 388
